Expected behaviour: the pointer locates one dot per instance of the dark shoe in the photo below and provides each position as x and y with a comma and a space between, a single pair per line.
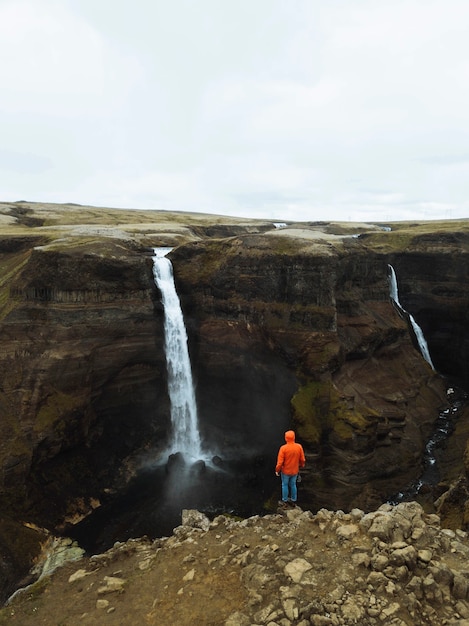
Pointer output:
282, 504
291, 502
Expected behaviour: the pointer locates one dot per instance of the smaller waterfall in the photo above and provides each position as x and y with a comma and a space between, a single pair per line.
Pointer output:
184, 420
416, 328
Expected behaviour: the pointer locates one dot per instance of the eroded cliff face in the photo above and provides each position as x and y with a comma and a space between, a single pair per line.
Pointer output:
310, 323
289, 328
81, 365
284, 330
435, 286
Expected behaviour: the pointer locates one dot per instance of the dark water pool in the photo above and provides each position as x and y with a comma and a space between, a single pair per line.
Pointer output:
151, 504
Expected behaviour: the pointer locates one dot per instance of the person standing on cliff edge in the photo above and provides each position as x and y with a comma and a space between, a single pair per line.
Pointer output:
290, 459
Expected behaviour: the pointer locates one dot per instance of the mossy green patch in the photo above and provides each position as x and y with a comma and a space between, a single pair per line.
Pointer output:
288, 246
10, 266
389, 242
205, 263
414, 236
318, 407
347, 418
308, 409
56, 406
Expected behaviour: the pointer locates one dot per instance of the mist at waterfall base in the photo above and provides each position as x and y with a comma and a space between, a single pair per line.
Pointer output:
184, 474
152, 502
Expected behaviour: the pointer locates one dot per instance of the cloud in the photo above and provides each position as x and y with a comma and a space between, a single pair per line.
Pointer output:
29, 163
57, 64
266, 108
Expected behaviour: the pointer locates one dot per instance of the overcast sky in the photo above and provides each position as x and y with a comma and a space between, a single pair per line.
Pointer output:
283, 109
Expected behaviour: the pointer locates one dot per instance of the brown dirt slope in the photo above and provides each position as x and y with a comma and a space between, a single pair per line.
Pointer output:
394, 566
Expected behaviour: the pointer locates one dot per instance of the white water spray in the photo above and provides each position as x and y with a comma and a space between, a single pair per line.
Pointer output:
184, 420
417, 330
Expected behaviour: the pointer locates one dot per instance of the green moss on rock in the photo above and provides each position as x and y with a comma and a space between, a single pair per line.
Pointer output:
308, 410
56, 406
318, 408
10, 266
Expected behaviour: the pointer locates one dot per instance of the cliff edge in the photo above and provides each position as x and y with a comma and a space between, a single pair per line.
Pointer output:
394, 566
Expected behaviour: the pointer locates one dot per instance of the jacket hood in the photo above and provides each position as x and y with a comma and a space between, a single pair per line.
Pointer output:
290, 436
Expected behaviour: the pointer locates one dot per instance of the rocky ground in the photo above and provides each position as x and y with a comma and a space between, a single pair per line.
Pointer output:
395, 566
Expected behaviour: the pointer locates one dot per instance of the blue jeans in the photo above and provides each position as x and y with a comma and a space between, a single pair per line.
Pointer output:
289, 486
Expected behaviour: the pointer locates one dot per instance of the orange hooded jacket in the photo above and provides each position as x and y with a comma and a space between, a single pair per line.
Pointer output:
290, 456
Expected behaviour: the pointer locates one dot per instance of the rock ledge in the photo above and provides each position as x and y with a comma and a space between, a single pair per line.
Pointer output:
394, 566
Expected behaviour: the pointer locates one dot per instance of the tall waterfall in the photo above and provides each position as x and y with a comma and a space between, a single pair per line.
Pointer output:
184, 420
417, 330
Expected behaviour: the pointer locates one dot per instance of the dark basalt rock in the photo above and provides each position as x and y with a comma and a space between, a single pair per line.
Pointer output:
198, 468
435, 287
316, 331
283, 332
175, 462
81, 364
19, 545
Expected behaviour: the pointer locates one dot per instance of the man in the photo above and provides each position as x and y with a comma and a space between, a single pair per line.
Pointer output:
289, 460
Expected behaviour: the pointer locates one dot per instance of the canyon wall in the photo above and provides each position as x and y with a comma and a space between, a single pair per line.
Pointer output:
310, 323
284, 331
286, 328
81, 365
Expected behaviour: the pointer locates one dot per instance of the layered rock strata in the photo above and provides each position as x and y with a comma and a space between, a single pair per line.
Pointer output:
312, 325
289, 327
81, 363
